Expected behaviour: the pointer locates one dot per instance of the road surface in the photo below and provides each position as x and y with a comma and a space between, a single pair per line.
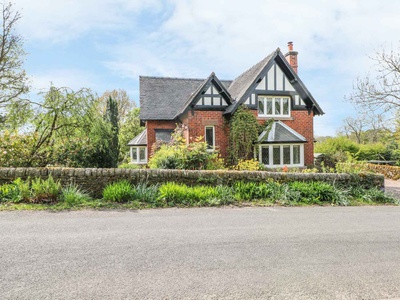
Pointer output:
202, 253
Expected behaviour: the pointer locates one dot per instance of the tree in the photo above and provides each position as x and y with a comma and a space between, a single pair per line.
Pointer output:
243, 135
13, 78
369, 127
381, 92
354, 127
111, 116
125, 104
61, 116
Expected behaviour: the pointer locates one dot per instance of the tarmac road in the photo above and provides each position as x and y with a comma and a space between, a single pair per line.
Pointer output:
202, 253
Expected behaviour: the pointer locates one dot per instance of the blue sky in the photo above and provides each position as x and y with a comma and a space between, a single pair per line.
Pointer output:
107, 44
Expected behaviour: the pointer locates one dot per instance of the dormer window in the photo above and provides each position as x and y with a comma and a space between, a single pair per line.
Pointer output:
273, 106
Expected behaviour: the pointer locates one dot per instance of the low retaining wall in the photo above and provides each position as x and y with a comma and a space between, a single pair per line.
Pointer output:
94, 180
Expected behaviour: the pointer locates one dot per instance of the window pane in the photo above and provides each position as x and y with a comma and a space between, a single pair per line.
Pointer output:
296, 154
285, 106
164, 135
261, 107
277, 155
265, 155
142, 154
207, 100
210, 137
286, 155
134, 154
277, 106
269, 106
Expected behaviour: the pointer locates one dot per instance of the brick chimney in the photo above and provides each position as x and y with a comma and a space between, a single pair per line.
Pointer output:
291, 57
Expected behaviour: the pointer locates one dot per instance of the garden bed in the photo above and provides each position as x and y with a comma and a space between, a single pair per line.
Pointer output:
95, 180
48, 193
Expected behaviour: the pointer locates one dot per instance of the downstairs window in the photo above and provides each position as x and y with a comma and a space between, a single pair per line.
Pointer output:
291, 155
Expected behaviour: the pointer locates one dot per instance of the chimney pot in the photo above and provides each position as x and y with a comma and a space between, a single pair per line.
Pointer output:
291, 57
290, 46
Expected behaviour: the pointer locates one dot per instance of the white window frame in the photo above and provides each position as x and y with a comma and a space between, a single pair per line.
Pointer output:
281, 164
205, 131
137, 161
263, 98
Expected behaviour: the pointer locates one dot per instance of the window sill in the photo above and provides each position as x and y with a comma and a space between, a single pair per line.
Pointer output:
274, 117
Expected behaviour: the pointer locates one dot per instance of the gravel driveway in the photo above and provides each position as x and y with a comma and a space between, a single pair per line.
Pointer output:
392, 187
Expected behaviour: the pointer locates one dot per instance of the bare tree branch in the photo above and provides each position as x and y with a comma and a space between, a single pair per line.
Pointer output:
13, 78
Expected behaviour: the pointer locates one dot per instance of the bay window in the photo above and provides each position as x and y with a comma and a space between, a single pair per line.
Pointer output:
279, 155
139, 155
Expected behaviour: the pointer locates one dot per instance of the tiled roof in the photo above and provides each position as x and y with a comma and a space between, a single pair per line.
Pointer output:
162, 98
140, 139
280, 133
240, 85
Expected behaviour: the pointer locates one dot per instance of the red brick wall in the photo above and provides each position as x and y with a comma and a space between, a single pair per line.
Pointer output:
196, 122
151, 134
302, 122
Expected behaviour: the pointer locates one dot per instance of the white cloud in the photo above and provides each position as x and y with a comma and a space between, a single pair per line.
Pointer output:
192, 38
64, 20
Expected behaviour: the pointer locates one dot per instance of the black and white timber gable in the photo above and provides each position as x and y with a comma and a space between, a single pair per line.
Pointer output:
272, 76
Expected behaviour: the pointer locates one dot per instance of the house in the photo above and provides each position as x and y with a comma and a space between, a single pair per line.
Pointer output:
271, 89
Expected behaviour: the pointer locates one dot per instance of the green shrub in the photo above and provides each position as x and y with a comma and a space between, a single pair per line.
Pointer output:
248, 165
23, 188
181, 194
179, 155
253, 190
73, 195
9, 193
45, 190
146, 193
120, 191
377, 196
377, 151
167, 157
225, 195
318, 193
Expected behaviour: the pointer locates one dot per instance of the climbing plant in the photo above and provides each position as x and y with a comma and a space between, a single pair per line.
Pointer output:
244, 130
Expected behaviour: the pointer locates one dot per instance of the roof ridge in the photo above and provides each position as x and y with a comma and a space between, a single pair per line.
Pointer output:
256, 64
181, 78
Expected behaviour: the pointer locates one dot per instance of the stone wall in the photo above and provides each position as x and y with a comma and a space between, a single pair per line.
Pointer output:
94, 180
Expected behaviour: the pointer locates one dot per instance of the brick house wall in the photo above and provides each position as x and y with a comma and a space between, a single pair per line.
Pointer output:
151, 125
303, 123
196, 122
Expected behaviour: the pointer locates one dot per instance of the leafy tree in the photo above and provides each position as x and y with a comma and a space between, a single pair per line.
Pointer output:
62, 115
243, 135
13, 78
111, 117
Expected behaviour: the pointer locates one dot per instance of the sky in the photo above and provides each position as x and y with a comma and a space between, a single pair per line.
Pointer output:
107, 44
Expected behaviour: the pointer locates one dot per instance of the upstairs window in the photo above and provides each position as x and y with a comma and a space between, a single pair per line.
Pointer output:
269, 106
